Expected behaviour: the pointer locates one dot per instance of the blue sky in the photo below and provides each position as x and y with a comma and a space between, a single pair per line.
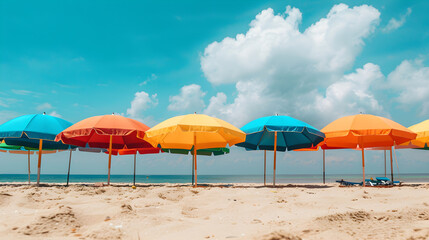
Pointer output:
315, 61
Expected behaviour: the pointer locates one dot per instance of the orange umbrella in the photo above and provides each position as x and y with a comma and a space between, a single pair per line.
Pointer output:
365, 131
108, 132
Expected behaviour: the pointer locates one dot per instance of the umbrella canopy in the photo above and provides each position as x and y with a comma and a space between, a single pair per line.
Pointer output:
107, 131
365, 131
34, 131
203, 152
28, 130
134, 151
187, 131
291, 134
96, 132
279, 133
194, 131
422, 139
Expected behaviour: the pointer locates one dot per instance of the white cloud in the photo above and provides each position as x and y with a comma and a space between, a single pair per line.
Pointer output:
410, 80
44, 106
276, 68
351, 95
394, 24
152, 77
189, 99
55, 114
21, 92
140, 103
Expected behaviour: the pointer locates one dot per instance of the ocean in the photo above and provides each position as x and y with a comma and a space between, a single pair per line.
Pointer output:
280, 179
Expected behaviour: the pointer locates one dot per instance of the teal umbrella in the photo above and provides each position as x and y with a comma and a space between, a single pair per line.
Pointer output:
279, 133
204, 152
35, 131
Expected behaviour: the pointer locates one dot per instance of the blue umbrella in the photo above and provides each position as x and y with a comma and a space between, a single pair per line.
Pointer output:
279, 133
35, 131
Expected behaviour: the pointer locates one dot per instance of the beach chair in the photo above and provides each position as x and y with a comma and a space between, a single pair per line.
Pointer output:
387, 181
347, 183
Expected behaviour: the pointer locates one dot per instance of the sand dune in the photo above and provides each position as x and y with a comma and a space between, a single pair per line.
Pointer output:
239, 211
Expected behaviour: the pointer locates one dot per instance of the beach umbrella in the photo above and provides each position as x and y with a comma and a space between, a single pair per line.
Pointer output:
34, 131
108, 132
134, 152
194, 131
365, 131
422, 139
279, 133
203, 152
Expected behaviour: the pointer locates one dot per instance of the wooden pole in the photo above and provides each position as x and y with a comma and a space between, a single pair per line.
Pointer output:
39, 163
265, 167
385, 171
68, 173
275, 154
195, 159
323, 166
363, 165
391, 165
134, 181
29, 171
192, 160
110, 159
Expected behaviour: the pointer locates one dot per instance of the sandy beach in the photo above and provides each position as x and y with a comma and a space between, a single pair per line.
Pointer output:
239, 211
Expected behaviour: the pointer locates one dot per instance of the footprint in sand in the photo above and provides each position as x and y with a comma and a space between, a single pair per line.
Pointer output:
62, 223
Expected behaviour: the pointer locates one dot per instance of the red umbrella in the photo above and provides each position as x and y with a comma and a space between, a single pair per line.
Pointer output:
107, 131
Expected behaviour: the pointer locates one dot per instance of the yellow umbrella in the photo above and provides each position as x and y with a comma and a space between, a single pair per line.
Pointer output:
197, 131
422, 139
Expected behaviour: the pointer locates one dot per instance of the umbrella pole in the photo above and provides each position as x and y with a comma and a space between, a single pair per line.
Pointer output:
29, 172
68, 173
134, 182
391, 165
195, 159
385, 172
39, 163
265, 167
323, 166
363, 165
110, 159
275, 154
192, 160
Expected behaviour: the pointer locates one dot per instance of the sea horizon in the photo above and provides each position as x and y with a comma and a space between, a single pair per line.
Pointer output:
207, 178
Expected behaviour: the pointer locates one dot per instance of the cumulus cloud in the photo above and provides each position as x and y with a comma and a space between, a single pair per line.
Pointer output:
351, 95
44, 106
55, 114
142, 101
189, 99
394, 24
410, 81
276, 68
